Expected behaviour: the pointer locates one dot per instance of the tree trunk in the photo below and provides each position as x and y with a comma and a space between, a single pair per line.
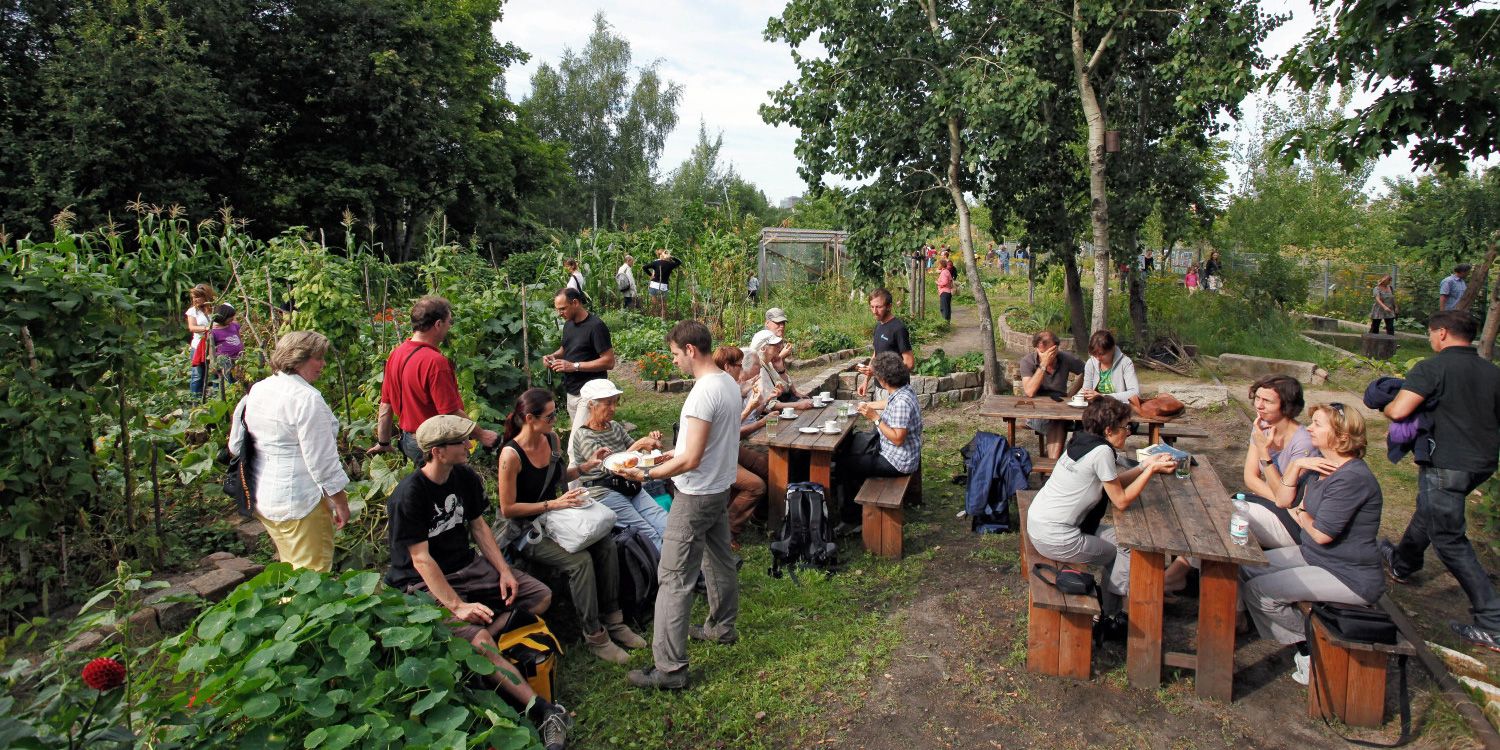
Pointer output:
1491, 325
1138, 321
1074, 286
594, 209
971, 266
1093, 114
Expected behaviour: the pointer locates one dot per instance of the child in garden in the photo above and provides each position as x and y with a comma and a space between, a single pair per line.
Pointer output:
1191, 279
227, 344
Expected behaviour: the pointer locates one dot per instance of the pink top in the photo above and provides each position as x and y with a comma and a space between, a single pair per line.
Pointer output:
1191, 279
945, 280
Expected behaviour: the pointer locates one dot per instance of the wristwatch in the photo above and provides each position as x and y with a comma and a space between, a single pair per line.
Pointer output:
646, 473
575, 367
1264, 462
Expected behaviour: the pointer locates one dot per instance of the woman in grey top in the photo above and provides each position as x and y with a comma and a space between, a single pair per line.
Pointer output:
1276, 440
1337, 558
1384, 307
599, 399
1088, 472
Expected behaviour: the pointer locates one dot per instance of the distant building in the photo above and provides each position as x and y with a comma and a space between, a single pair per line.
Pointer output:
788, 204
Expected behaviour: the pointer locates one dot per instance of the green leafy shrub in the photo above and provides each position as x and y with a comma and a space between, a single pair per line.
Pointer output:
656, 366
633, 335
829, 340
936, 364
303, 659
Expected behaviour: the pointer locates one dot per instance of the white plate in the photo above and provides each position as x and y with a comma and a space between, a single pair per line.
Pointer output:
808, 430
613, 461
1077, 405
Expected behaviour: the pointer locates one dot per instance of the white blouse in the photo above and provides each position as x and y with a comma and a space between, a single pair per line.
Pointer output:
296, 460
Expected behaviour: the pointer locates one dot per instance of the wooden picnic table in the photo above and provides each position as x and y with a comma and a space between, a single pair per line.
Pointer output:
1015, 408
1188, 517
786, 440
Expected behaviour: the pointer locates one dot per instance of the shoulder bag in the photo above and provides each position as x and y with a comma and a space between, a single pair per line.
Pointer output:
237, 479
573, 528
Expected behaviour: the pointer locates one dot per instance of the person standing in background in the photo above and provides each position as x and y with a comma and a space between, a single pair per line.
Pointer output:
1384, 307
945, 289
625, 282
1452, 289
199, 323
1213, 272
659, 275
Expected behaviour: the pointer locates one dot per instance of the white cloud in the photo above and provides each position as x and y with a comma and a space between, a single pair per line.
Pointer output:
715, 50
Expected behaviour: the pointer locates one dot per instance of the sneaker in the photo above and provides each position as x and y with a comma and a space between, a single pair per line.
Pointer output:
697, 633
1388, 554
554, 728
1475, 635
651, 677
1303, 671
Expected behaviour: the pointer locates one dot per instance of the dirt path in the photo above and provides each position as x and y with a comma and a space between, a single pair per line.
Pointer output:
965, 336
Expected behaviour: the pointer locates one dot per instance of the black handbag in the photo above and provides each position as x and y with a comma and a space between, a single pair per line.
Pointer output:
237, 480
626, 487
1067, 580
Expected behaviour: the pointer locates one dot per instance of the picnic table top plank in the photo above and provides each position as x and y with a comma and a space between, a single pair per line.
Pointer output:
1218, 508
788, 435
1193, 517
1155, 507
1042, 407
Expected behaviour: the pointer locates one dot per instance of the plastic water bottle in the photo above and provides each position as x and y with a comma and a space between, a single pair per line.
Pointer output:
1239, 521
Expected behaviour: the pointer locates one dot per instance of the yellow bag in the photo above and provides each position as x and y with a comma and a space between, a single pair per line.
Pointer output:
532, 648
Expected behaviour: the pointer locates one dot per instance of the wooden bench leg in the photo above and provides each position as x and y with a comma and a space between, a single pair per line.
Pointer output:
1042, 628
1354, 682
1218, 591
1326, 691
1075, 646
882, 531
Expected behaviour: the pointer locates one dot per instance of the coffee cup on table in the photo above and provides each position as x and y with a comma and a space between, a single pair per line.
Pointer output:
788, 412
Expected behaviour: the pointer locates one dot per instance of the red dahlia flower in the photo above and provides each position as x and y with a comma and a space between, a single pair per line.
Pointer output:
104, 674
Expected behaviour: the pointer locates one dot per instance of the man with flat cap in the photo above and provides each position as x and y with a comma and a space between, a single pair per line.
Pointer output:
436, 517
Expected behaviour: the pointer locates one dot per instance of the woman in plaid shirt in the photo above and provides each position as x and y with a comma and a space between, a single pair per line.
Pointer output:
893, 448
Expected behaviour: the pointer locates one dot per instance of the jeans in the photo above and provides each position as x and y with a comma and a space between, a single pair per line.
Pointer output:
1390, 326
640, 513
197, 376
1439, 522
407, 442
945, 305
697, 523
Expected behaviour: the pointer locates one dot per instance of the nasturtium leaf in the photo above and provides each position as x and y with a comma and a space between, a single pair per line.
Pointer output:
343, 735
428, 701
401, 637
315, 738
213, 624
446, 718
476, 663
198, 657
232, 642
289, 628
320, 707
307, 582
275, 653
412, 671
362, 584
261, 706
424, 614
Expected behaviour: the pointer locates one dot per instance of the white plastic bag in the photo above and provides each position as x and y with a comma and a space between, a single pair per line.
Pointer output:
576, 528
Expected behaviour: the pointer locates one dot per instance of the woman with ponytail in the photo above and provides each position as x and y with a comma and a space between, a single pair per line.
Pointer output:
199, 317
532, 472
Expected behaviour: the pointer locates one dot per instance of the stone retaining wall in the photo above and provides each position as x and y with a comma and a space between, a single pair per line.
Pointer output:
824, 380
1021, 342
946, 390
168, 611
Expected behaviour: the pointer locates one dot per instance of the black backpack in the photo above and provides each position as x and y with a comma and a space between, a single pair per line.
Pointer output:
806, 532
638, 560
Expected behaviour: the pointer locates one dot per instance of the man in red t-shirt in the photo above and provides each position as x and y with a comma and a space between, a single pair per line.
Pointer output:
419, 383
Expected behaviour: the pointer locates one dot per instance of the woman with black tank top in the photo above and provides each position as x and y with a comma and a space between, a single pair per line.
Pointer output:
532, 471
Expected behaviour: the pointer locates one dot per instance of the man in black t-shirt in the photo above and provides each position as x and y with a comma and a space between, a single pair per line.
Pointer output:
891, 335
436, 516
1460, 393
659, 275
586, 352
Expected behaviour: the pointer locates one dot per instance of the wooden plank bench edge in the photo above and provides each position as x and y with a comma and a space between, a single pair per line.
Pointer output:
883, 519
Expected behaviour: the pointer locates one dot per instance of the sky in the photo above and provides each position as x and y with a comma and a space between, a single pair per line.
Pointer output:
717, 52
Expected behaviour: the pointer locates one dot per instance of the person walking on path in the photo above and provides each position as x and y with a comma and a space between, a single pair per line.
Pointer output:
586, 352
199, 316
945, 289
705, 464
1213, 272
1384, 307
1460, 393
891, 335
625, 282
420, 384
1453, 287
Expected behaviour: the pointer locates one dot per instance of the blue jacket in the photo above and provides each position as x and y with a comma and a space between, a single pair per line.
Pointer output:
996, 472
1379, 394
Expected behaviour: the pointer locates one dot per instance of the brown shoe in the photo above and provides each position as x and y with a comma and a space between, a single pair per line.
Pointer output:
621, 633
605, 649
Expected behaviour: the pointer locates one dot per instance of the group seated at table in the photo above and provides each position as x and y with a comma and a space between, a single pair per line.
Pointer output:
1334, 556
893, 448
772, 386
1064, 518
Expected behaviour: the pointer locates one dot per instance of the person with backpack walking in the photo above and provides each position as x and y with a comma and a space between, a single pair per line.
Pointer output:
705, 465
625, 282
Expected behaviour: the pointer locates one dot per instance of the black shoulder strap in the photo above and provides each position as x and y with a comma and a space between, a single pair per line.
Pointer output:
1040, 568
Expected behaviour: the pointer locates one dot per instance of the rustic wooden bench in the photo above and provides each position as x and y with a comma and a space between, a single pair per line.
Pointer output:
1171, 432
1043, 465
1353, 680
883, 500
1060, 627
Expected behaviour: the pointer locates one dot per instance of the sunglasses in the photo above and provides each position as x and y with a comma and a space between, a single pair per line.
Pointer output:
1338, 407
550, 416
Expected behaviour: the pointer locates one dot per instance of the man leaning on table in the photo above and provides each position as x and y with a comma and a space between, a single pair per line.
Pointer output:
1045, 372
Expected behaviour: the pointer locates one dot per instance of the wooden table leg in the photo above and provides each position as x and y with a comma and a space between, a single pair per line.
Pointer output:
776, 479
1143, 653
1010, 429
1218, 590
1155, 434
820, 470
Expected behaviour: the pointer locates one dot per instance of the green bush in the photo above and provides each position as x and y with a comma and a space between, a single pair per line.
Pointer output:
633, 334
1216, 324
828, 340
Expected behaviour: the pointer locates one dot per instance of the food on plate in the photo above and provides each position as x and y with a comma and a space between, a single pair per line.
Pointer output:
630, 463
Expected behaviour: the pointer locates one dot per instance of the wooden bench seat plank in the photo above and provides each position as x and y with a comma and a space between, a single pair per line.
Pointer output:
1043, 465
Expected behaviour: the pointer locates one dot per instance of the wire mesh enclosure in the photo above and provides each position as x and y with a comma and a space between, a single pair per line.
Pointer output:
800, 256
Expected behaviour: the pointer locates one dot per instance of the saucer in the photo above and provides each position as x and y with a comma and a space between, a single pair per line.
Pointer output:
808, 430
831, 430
1078, 404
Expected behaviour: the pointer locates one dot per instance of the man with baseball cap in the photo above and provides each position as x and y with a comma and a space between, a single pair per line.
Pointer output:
776, 324
436, 517
768, 347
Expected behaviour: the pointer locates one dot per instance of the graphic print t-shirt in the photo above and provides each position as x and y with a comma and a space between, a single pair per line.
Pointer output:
439, 514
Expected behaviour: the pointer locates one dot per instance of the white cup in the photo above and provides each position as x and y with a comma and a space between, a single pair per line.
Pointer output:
788, 413
826, 396
831, 424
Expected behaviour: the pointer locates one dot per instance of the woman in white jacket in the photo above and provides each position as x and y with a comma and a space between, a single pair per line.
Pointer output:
1108, 372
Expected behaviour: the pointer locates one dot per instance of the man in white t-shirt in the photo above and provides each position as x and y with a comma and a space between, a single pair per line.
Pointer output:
705, 464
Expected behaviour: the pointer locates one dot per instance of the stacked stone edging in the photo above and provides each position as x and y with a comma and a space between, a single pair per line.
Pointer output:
168, 611
931, 390
822, 381
1019, 341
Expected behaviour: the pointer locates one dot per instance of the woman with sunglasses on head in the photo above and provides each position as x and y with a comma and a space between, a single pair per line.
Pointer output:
1336, 557
532, 472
